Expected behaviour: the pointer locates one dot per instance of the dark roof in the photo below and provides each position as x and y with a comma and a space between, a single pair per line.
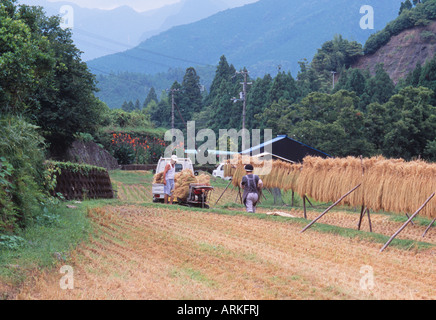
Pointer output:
287, 148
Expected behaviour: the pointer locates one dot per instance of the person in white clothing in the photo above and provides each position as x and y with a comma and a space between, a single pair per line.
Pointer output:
168, 178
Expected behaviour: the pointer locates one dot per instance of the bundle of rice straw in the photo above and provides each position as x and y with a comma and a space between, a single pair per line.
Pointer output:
290, 179
327, 180
182, 181
401, 187
158, 178
280, 174
203, 179
391, 185
229, 169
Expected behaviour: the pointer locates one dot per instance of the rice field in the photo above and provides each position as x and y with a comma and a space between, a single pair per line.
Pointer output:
139, 191
165, 254
382, 223
141, 251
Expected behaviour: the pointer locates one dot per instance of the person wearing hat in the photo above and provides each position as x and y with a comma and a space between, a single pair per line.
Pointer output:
168, 178
251, 184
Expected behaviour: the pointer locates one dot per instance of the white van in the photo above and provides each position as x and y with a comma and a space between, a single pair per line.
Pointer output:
219, 172
158, 188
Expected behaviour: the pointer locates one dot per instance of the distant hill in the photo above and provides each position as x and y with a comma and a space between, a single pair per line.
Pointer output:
260, 36
102, 32
184, 12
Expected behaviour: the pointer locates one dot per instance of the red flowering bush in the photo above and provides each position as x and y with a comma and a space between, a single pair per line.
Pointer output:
136, 150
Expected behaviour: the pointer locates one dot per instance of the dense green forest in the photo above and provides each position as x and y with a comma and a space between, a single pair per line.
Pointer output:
117, 88
363, 115
48, 99
274, 32
46, 95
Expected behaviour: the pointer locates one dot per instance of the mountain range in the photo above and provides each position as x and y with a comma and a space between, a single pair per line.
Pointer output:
98, 32
260, 36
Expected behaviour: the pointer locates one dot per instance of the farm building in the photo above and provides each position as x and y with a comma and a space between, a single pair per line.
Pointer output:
284, 148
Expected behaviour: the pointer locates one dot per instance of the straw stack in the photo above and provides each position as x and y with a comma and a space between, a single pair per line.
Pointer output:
351, 170
326, 180
280, 174
401, 187
203, 179
377, 178
391, 185
183, 179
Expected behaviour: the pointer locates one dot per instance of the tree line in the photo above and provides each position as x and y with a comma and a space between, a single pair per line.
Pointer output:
47, 100
361, 114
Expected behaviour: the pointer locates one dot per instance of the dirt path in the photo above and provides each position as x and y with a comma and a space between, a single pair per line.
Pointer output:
148, 253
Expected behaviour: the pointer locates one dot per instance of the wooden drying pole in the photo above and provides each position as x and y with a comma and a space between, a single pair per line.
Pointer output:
408, 217
362, 214
239, 194
309, 201
329, 208
407, 222
428, 228
364, 209
223, 192
369, 220
305, 198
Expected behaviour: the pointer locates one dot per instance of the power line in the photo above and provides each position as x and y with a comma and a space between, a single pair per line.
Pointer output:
127, 55
96, 36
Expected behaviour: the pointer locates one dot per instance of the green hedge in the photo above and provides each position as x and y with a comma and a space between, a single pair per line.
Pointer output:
84, 169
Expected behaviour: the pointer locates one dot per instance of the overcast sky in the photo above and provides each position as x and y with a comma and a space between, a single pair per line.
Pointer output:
138, 5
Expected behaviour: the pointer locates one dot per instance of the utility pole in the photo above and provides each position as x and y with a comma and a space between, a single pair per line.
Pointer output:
172, 110
333, 73
244, 103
